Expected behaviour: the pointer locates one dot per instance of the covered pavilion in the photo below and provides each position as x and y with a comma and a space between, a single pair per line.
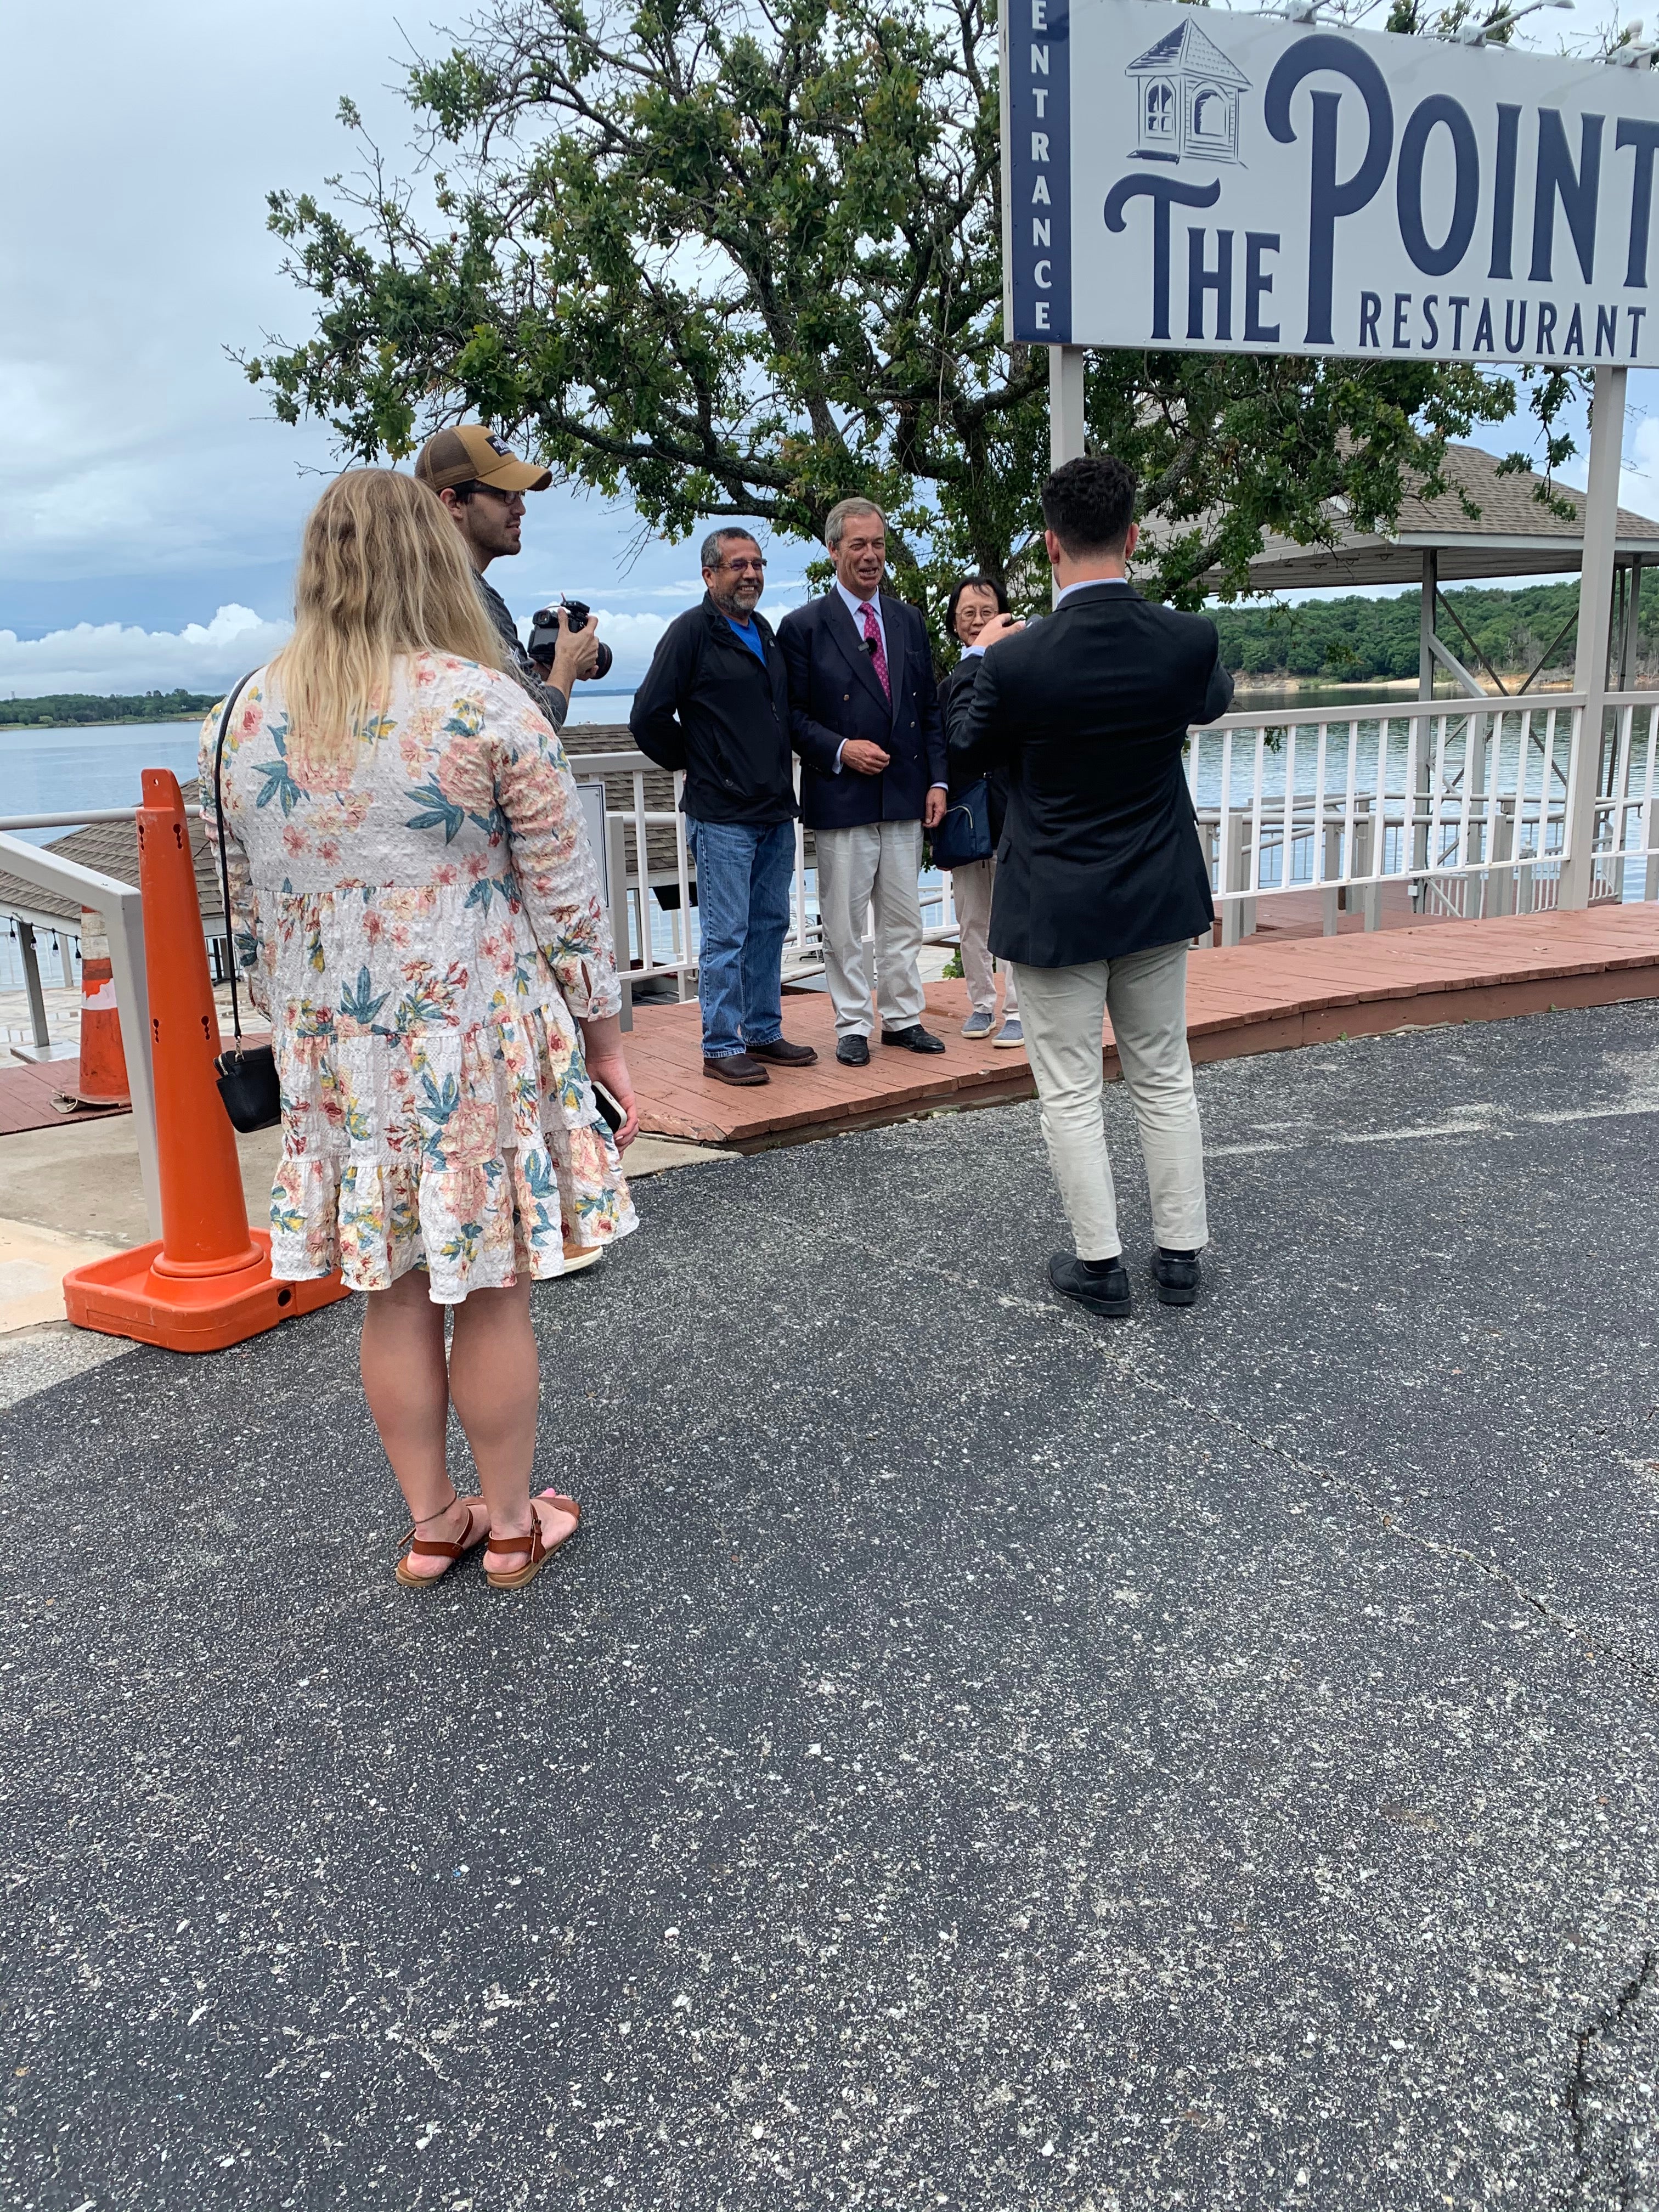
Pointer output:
1436, 542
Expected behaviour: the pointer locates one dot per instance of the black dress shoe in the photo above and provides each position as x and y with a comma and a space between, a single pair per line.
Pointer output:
853, 1051
736, 1067
780, 1053
1177, 1277
916, 1039
1102, 1294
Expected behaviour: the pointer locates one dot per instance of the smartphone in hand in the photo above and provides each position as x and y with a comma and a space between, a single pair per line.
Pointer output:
611, 1112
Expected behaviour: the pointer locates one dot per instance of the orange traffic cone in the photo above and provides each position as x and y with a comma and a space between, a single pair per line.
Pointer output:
207, 1283
102, 1079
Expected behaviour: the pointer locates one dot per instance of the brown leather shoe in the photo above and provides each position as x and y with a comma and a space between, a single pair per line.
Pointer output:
781, 1054
736, 1067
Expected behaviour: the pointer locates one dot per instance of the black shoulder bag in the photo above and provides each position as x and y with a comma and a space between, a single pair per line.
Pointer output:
248, 1082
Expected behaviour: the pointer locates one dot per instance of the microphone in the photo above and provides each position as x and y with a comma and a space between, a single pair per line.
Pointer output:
870, 644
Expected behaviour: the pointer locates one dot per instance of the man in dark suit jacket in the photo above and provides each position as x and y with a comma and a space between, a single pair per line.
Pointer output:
1102, 883
866, 722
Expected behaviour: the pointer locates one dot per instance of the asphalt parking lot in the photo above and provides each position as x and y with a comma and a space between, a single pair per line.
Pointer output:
974, 1755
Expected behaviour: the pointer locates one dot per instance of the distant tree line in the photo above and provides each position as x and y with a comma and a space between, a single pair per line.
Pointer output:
1350, 640
59, 710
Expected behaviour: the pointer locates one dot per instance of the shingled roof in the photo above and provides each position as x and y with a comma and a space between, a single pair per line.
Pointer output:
112, 847
1514, 534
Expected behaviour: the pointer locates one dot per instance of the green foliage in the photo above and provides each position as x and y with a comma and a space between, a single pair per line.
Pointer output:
716, 259
1354, 640
64, 709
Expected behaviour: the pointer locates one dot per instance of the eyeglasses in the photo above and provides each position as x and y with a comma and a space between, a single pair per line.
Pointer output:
741, 567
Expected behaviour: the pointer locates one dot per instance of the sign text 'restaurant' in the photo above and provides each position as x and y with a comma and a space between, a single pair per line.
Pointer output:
1181, 177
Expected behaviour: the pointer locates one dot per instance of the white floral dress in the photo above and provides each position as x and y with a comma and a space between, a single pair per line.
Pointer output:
421, 939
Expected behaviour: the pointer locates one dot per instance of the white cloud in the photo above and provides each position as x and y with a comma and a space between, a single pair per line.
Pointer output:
1638, 480
108, 657
633, 638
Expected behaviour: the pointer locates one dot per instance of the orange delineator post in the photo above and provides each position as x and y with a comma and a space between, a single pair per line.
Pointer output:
207, 1283
101, 1079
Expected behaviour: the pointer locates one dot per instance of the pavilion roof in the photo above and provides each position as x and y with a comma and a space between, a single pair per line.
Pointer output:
1513, 535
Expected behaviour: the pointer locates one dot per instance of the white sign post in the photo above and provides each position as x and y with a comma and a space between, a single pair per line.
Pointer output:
1192, 178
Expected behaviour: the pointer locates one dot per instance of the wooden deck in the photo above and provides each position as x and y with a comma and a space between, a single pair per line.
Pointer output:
1265, 995
1276, 990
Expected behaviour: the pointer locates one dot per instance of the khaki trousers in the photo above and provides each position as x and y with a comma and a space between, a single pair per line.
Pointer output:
971, 886
875, 864
1063, 1010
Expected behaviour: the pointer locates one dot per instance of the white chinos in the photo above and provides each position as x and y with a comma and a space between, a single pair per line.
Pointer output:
873, 864
1063, 1009
971, 886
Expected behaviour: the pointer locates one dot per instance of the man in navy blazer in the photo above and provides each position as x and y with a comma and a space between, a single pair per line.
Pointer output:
1102, 881
864, 719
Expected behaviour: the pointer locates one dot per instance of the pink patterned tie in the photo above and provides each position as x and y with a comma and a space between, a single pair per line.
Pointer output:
872, 637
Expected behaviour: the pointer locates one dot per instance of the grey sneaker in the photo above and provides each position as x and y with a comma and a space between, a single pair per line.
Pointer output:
1010, 1037
978, 1025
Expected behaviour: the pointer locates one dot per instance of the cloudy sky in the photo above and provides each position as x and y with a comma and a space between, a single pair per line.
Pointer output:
148, 512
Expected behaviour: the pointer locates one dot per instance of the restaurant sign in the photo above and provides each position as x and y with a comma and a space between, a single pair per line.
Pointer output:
1186, 177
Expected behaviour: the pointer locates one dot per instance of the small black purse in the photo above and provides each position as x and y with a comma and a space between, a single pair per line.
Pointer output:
248, 1081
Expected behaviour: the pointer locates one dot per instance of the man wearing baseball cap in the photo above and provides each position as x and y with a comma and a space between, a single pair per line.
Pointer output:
483, 482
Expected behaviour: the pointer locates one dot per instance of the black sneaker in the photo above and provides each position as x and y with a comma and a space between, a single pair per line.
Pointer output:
1177, 1277
1102, 1294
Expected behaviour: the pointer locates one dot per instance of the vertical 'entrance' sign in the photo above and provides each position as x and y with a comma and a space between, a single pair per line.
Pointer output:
1183, 177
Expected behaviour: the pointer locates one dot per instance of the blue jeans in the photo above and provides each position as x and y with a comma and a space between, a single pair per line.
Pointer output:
744, 875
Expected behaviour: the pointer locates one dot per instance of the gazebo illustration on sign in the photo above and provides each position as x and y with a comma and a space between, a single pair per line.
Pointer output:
1187, 98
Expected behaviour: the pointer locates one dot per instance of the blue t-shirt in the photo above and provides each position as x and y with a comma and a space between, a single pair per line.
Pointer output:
750, 633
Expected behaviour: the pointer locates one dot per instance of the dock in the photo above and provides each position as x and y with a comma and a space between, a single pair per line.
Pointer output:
1269, 994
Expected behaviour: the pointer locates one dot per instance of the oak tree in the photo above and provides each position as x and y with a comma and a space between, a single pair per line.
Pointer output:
743, 258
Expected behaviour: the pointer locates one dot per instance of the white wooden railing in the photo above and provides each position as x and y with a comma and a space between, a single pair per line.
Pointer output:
1468, 806
1463, 807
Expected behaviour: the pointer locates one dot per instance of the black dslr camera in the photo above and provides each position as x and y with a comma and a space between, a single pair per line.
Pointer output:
545, 635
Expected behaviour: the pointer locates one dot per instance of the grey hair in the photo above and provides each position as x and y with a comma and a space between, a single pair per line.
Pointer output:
845, 510
712, 555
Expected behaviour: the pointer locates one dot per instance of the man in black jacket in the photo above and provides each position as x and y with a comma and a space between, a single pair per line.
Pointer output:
866, 726
715, 702
1102, 883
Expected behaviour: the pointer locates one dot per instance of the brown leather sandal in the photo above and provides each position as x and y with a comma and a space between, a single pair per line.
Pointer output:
532, 1541
433, 1548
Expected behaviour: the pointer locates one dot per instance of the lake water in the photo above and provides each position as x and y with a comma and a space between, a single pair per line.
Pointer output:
52, 771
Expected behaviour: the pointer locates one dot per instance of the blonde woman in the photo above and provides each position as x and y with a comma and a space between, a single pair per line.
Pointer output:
416, 910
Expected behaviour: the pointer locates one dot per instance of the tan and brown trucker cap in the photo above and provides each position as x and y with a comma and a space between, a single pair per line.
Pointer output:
468, 453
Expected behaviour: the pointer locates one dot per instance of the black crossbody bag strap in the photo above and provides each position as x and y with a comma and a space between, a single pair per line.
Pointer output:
248, 1082
224, 862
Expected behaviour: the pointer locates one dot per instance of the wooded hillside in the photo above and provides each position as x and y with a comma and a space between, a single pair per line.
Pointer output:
66, 709
1356, 638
